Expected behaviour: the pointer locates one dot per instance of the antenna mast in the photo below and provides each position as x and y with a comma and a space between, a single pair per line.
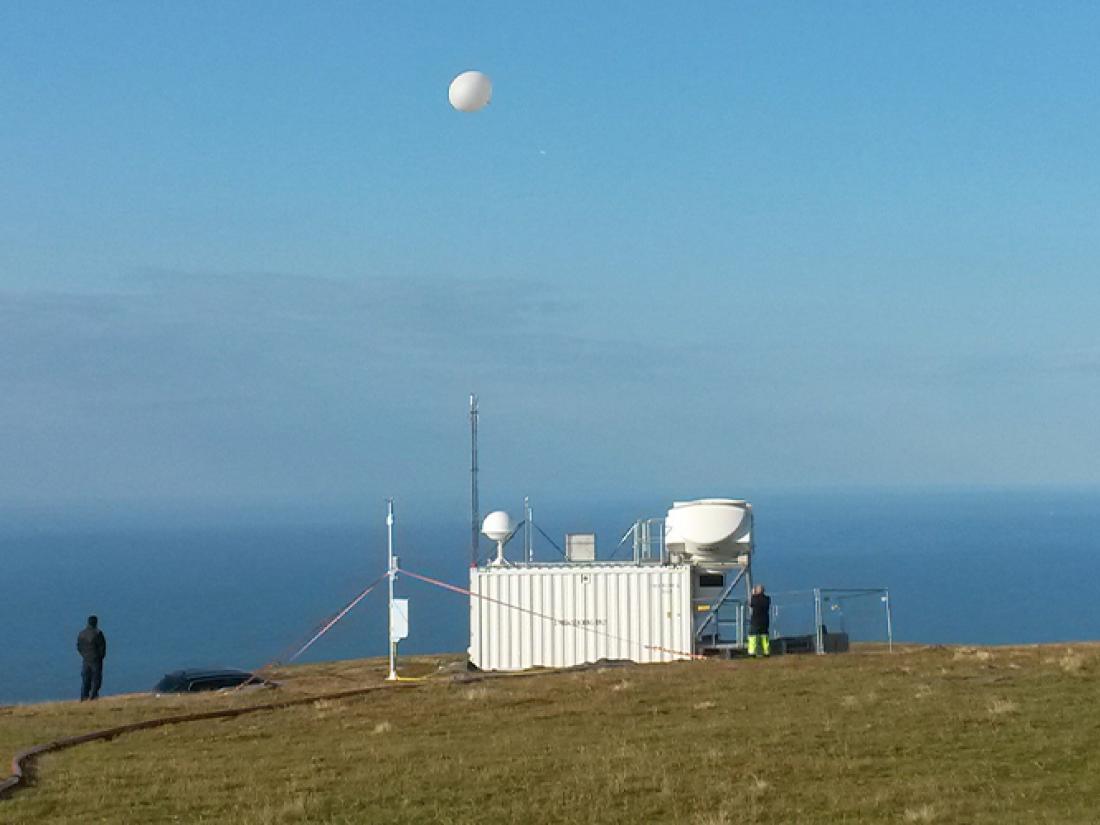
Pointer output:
475, 518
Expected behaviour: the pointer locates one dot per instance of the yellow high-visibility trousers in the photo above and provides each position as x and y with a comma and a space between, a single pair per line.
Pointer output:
760, 645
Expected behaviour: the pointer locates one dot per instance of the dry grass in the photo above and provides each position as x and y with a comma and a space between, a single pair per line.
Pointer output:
1000, 707
1011, 737
719, 818
978, 653
1072, 661
925, 813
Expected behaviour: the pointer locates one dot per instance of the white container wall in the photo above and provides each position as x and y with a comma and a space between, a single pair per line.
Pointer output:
568, 614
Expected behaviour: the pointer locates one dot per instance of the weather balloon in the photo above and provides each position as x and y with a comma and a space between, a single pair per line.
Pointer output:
470, 91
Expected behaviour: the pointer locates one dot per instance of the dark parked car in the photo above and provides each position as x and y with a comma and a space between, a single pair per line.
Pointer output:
192, 681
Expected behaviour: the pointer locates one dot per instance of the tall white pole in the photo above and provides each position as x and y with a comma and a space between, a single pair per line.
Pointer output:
819, 637
392, 568
889, 623
475, 515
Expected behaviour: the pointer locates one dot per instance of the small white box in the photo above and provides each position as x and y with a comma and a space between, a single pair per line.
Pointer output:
580, 546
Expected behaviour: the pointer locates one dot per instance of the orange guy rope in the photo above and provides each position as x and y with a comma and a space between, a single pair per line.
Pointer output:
321, 632
338, 617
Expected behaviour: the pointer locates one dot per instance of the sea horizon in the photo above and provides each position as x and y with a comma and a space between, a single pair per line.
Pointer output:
964, 566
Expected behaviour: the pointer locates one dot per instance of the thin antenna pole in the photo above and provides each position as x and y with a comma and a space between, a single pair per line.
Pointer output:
889, 623
527, 535
392, 567
819, 636
475, 517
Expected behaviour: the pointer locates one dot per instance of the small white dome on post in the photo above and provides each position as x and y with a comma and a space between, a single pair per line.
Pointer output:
499, 527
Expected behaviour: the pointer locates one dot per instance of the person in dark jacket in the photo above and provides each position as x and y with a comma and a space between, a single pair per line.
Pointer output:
91, 644
760, 607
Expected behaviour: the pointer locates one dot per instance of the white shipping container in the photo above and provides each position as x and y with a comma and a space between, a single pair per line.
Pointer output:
568, 614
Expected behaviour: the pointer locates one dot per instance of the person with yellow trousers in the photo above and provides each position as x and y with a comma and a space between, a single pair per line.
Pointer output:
760, 608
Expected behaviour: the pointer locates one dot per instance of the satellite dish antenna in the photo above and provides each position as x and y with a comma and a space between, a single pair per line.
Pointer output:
499, 527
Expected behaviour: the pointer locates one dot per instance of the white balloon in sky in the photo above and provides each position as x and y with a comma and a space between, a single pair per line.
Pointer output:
470, 91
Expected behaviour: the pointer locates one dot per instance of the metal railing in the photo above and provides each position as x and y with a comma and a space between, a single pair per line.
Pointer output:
860, 614
647, 540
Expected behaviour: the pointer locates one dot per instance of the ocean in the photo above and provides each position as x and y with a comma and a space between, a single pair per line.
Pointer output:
969, 566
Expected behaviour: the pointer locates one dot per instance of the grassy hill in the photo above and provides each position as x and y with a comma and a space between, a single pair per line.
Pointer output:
939, 735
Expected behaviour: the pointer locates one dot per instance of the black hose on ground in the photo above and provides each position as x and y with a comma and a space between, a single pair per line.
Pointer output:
23, 762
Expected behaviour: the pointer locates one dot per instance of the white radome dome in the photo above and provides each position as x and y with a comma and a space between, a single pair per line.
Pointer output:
498, 526
709, 529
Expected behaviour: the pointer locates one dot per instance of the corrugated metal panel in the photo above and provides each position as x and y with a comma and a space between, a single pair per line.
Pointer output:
564, 615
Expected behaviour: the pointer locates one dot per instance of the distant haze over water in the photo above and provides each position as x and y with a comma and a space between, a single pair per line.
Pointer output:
172, 591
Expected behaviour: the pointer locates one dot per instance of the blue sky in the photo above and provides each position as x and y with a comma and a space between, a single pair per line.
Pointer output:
248, 254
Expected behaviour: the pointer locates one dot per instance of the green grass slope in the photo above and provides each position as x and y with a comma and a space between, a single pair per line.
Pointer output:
939, 735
